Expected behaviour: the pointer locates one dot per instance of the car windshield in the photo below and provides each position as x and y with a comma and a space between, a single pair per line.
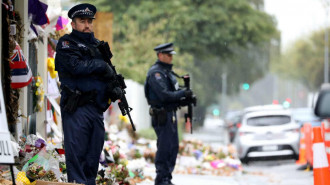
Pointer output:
268, 120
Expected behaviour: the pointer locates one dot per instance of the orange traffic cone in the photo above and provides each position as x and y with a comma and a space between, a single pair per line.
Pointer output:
302, 148
320, 162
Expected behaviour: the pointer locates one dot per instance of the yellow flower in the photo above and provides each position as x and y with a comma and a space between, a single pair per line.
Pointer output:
21, 177
125, 162
40, 93
51, 67
123, 118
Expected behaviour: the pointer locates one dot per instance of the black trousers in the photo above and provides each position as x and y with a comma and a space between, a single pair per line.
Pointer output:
167, 146
83, 142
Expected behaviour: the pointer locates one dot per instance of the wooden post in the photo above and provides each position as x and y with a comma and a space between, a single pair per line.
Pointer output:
103, 26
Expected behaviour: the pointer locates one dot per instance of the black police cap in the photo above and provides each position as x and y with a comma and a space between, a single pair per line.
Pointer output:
165, 48
82, 10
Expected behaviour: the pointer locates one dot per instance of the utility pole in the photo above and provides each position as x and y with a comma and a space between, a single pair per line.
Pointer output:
223, 94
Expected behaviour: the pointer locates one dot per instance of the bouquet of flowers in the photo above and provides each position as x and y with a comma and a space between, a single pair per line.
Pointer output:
35, 172
29, 146
135, 167
38, 93
50, 176
121, 174
105, 177
114, 174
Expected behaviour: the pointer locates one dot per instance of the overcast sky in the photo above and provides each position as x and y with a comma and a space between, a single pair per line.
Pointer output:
296, 18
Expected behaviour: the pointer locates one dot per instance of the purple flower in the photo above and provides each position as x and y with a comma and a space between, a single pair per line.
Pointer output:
40, 143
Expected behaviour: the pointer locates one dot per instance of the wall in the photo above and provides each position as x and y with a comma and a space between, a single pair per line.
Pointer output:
136, 99
22, 8
0, 43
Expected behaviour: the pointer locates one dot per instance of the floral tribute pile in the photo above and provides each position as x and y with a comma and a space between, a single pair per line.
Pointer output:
197, 158
113, 168
124, 159
38, 160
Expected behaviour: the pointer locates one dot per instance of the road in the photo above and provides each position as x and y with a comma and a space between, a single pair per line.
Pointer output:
278, 172
283, 172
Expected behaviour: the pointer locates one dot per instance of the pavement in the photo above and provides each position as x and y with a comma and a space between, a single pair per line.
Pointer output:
238, 178
257, 173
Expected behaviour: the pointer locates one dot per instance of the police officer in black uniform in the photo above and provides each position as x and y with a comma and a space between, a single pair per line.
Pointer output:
86, 89
164, 97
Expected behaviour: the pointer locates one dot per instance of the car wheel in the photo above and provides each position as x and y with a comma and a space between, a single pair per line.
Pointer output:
244, 160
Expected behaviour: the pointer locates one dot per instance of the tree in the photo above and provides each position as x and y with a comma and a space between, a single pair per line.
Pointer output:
135, 55
210, 36
304, 61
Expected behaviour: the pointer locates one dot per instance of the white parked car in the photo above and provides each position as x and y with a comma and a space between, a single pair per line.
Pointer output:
213, 122
263, 108
268, 133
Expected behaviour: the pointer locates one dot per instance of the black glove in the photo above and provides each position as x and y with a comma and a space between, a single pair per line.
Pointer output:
193, 100
188, 94
184, 101
108, 74
116, 94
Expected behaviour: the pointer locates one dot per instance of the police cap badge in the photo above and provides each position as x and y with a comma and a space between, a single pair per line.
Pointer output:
82, 10
165, 48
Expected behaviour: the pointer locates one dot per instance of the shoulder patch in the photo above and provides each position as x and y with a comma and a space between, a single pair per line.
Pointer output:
158, 76
65, 44
81, 45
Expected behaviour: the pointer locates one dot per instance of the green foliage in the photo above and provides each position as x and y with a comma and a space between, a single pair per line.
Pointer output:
211, 37
137, 154
150, 133
258, 4
134, 55
147, 133
181, 129
304, 61
202, 28
221, 155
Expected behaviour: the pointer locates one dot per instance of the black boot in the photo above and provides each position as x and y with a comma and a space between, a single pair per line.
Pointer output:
164, 182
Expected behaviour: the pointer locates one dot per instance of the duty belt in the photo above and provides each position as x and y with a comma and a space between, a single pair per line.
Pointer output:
160, 115
76, 98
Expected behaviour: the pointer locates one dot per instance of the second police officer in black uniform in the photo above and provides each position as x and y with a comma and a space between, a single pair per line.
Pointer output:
86, 84
164, 97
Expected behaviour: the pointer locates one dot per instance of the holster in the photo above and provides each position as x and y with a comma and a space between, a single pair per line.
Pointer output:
76, 98
159, 114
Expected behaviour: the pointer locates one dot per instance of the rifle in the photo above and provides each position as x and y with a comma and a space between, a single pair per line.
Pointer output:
191, 102
119, 81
